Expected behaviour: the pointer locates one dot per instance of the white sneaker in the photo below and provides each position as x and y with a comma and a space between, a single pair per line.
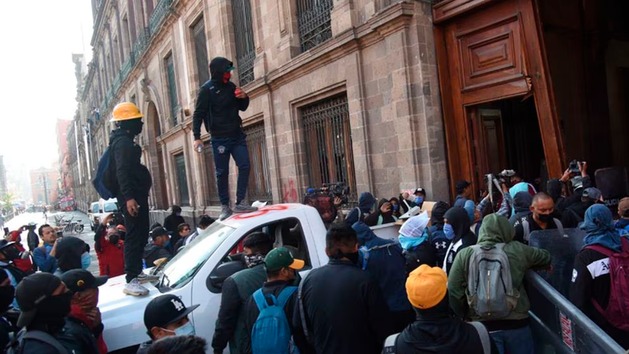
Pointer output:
243, 207
134, 288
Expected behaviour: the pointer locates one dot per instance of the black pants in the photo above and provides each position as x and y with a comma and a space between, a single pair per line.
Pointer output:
136, 237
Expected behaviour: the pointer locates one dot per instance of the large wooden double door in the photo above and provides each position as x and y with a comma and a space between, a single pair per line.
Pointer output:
490, 51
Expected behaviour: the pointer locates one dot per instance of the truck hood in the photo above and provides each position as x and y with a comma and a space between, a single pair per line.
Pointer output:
122, 314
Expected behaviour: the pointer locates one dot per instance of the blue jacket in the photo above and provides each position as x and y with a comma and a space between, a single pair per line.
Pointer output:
365, 203
622, 226
386, 264
44, 261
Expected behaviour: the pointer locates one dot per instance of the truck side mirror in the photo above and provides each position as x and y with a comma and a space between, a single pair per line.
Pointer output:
215, 281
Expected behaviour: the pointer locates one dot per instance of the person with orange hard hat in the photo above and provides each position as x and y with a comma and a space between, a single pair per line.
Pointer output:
133, 182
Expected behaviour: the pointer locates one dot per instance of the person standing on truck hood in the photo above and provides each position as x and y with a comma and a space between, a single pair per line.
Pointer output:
134, 181
236, 290
217, 107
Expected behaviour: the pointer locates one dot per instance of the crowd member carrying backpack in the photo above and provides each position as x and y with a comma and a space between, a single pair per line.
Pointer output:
477, 277
385, 261
600, 286
269, 311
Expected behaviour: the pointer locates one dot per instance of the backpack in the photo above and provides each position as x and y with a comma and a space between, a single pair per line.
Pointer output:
105, 181
16, 345
271, 331
617, 310
490, 290
364, 252
526, 228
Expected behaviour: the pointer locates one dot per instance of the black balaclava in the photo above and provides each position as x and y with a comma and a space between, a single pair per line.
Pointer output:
133, 126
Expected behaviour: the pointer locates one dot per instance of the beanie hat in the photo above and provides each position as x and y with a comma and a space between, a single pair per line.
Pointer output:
426, 286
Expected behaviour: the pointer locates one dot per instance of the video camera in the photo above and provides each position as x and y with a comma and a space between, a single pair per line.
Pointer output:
338, 189
116, 219
500, 178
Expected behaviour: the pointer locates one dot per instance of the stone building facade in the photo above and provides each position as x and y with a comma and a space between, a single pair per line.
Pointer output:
341, 91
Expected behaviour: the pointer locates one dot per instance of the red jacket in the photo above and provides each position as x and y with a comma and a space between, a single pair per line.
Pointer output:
110, 258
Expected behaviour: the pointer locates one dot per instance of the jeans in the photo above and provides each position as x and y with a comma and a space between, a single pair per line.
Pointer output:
223, 148
136, 237
513, 341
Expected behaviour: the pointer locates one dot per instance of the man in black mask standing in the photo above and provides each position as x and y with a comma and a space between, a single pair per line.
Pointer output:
341, 308
540, 218
134, 182
45, 302
217, 107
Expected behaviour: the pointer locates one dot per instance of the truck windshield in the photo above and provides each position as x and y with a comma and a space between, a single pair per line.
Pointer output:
181, 268
111, 207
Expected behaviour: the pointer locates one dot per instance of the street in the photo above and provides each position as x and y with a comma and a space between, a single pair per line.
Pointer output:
87, 235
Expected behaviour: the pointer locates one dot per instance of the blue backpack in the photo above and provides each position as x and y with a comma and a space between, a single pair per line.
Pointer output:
271, 332
105, 181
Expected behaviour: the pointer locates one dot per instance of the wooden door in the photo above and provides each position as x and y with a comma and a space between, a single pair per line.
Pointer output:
487, 51
487, 138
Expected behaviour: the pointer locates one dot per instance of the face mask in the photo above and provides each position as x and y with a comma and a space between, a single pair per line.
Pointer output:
226, 77
167, 244
86, 260
7, 293
448, 230
55, 306
396, 207
419, 200
185, 330
545, 218
134, 126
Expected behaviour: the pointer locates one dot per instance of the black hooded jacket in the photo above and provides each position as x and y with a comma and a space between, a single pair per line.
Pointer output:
69, 251
217, 106
365, 203
438, 330
134, 179
463, 236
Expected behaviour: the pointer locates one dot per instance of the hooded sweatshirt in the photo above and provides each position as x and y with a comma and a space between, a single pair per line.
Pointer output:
134, 179
496, 229
437, 330
459, 220
365, 203
217, 106
436, 236
521, 205
378, 217
385, 263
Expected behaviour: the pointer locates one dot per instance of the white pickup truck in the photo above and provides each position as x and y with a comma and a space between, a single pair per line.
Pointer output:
196, 273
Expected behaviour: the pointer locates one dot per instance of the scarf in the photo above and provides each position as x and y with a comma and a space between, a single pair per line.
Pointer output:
253, 260
408, 243
600, 229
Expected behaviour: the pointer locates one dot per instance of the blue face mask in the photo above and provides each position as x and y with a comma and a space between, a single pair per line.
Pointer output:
448, 231
86, 260
396, 207
167, 244
185, 330
419, 200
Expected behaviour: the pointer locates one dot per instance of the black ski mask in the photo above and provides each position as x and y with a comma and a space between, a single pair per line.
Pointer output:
133, 126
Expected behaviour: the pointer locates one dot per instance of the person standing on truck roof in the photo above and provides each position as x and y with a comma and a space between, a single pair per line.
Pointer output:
217, 107
236, 290
134, 181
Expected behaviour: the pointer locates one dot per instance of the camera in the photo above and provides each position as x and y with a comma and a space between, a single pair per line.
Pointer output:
116, 219
573, 167
29, 227
338, 189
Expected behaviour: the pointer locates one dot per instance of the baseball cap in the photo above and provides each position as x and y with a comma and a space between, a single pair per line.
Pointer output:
158, 231
280, 258
461, 185
31, 291
164, 310
419, 190
592, 193
623, 206
78, 280
426, 286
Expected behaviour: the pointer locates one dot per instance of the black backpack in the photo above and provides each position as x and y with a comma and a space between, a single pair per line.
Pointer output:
105, 181
16, 345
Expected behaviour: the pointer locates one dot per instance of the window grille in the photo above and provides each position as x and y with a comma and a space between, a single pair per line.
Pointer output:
172, 88
243, 32
314, 22
328, 144
182, 180
259, 176
200, 51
